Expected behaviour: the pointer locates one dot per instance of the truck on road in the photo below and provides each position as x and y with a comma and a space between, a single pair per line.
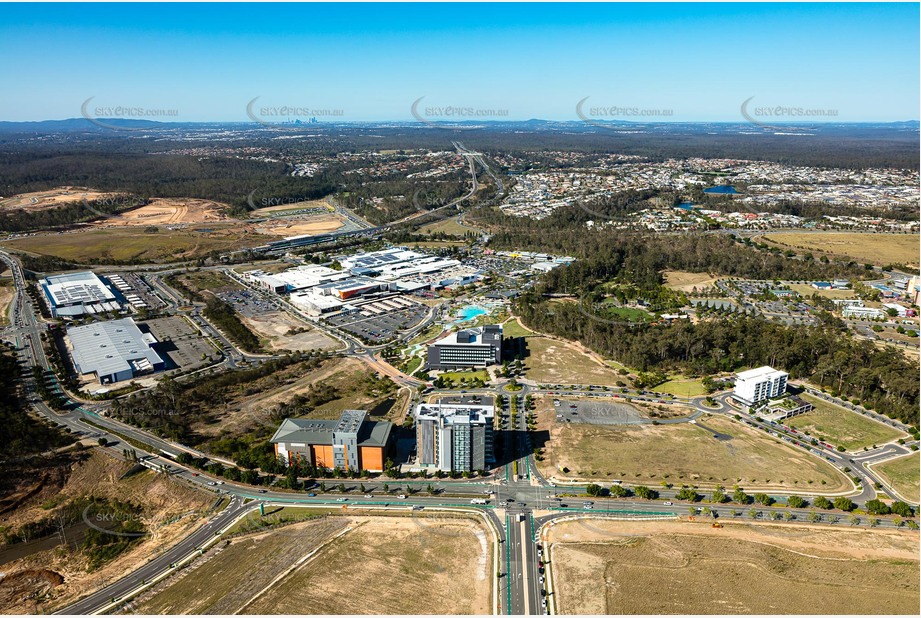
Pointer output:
479, 501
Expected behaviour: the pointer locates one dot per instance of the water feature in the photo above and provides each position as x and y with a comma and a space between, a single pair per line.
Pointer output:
471, 312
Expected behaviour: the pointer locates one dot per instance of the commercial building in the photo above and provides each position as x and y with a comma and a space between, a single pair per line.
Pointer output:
757, 385
76, 294
454, 438
351, 443
854, 311
115, 350
900, 310
847, 302
471, 347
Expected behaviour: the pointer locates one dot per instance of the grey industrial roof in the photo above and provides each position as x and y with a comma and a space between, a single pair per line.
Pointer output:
310, 431
82, 287
105, 348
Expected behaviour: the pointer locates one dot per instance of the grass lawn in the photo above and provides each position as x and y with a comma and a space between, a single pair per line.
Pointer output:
448, 226
413, 365
467, 375
903, 475
429, 333
869, 248
513, 328
682, 387
133, 244
628, 314
555, 362
840, 426
209, 280
686, 453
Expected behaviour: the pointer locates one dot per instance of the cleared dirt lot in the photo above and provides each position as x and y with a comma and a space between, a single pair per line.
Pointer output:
45, 200
168, 211
7, 292
686, 281
275, 326
350, 565
872, 248
555, 361
686, 453
296, 227
605, 567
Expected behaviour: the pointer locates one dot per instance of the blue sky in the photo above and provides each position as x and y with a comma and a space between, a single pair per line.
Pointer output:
535, 61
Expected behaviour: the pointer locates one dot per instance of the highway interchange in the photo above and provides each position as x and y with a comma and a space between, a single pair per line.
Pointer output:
530, 500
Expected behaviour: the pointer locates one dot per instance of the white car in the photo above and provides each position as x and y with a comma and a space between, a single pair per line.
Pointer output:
341, 499
369, 495
402, 496
667, 503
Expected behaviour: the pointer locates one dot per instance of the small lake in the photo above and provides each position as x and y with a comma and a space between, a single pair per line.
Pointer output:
721, 190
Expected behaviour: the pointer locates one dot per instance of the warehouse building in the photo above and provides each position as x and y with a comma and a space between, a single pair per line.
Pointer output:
454, 438
114, 351
351, 443
471, 347
75, 294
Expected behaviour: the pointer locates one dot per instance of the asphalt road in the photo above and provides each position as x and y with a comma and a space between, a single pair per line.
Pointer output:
523, 494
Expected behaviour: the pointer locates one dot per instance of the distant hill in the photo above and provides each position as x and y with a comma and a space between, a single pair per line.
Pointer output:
71, 125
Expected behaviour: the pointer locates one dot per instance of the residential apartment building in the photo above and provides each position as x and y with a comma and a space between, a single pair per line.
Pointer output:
471, 347
454, 438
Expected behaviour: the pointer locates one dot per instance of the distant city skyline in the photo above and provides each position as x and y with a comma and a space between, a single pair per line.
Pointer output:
730, 62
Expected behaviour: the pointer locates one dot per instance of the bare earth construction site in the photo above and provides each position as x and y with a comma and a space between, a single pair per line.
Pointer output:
616, 567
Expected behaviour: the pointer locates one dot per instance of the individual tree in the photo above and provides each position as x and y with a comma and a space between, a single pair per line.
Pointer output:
877, 507
719, 495
593, 490
619, 491
687, 493
844, 504
822, 503
740, 496
901, 508
796, 502
645, 493
815, 517
764, 499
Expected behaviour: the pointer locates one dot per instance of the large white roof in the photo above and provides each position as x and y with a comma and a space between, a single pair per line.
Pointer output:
105, 348
760, 372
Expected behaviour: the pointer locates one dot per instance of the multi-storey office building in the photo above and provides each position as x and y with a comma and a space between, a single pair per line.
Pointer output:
471, 347
454, 438
757, 385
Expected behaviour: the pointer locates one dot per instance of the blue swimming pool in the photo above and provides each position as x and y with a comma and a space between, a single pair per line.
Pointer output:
471, 312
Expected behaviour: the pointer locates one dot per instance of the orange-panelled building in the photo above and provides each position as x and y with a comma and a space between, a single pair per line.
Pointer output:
350, 443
